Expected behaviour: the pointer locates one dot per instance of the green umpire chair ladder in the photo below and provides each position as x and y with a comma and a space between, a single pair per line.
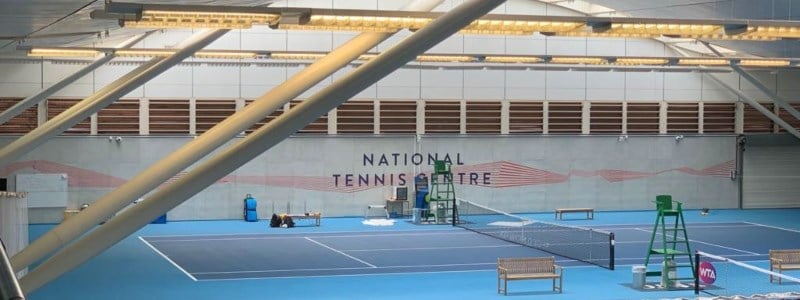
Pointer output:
674, 243
442, 193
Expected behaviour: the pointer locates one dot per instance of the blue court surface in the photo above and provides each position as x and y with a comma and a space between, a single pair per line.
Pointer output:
345, 259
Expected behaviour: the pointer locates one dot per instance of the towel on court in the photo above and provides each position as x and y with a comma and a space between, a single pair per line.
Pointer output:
378, 222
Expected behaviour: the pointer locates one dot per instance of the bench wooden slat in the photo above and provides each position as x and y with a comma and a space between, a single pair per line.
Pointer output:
589, 212
527, 268
783, 259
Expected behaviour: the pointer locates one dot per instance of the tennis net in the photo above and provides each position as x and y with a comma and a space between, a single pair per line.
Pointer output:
726, 278
583, 244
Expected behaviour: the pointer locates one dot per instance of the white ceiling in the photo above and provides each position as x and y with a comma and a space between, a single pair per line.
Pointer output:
67, 22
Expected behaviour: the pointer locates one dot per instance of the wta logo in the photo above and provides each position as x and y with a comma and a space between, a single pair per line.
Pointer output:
707, 272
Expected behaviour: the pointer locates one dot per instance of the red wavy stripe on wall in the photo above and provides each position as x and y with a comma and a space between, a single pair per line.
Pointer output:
78, 177
502, 174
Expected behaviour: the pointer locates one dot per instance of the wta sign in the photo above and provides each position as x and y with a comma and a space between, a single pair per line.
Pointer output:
707, 272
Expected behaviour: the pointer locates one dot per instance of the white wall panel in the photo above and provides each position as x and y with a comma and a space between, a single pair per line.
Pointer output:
525, 45
21, 73
645, 86
309, 40
605, 47
484, 44
712, 91
263, 75
453, 44
643, 47
566, 79
109, 73
272, 40
525, 85
442, 84
484, 84
566, 46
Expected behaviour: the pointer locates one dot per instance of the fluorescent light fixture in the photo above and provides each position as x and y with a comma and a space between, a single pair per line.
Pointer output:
641, 61
62, 52
240, 17
431, 58
704, 61
144, 52
226, 55
297, 56
513, 59
578, 60
764, 62
445, 58
200, 19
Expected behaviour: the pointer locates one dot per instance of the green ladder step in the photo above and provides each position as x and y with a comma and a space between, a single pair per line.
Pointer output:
668, 251
652, 273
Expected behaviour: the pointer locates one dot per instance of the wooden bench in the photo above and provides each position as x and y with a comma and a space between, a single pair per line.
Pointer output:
520, 268
560, 212
783, 259
316, 216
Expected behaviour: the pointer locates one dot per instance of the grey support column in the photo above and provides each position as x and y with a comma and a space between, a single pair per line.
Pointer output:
29, 102
105, 96
772, 95
254, 144
221, 133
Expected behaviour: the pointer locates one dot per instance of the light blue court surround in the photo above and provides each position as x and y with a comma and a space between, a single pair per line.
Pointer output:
133, 270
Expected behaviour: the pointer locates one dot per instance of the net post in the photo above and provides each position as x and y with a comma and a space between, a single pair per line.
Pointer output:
697, 273
455, 212
611, 253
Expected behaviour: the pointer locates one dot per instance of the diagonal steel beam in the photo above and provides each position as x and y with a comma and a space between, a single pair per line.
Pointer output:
256, 143
105, 96
770, 94
190, 153
32, 100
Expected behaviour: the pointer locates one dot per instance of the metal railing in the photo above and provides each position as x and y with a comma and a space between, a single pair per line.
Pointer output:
9, 286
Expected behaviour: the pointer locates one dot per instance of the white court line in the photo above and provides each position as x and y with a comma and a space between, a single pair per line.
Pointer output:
687, 226
361, 268
773, 227
167, 258
436, 248
711, 244
340, 252
291, 233
268, 237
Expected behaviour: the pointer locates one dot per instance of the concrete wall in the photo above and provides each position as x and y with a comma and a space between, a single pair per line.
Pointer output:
340, 176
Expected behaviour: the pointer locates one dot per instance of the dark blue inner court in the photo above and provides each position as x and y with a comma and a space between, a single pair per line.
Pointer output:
357, 253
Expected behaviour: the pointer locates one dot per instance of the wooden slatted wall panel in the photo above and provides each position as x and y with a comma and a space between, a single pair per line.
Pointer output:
318, 126
682, 118
565, 117
483, 117
643, 117
442, 117
169, 117
356, 117
605, 118
755, 122
786, 116
271, 117
121, 117
209, 113
57, 106
398, 117
20, 124
525, 117
719, 117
